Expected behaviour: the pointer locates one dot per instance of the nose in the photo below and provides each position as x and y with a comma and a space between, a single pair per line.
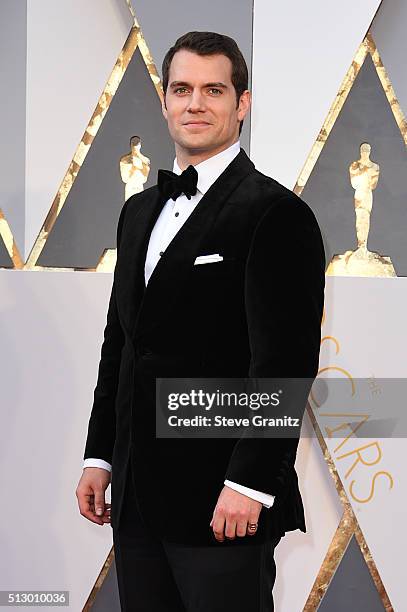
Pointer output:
196, 102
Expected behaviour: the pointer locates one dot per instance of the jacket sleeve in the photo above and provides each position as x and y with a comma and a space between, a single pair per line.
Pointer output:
284, 298
102, 422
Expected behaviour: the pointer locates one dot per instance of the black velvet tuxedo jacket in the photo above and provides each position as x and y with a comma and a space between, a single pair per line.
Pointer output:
256, 313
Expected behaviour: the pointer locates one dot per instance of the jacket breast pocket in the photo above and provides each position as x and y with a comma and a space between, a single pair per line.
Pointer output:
222, 265
220, 276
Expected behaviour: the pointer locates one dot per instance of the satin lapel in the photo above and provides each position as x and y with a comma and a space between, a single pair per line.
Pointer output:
130, 283
173, 268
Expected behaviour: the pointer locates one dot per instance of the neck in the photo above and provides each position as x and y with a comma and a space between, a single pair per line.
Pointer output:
186, 157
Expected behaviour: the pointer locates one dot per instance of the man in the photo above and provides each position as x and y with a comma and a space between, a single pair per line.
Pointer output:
195, 521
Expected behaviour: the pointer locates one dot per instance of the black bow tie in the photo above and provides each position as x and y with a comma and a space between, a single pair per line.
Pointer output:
171, 185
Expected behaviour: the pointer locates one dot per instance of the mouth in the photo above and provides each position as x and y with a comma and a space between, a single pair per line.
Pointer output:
192, 124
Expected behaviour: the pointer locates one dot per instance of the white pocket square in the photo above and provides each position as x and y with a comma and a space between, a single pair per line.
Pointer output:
203, 259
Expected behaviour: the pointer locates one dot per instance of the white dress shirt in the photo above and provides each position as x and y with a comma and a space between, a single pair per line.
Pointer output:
172, 217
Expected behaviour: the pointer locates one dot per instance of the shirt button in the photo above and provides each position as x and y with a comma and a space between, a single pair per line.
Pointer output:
176, 214
161, 252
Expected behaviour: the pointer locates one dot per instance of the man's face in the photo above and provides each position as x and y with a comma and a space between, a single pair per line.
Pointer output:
201, 102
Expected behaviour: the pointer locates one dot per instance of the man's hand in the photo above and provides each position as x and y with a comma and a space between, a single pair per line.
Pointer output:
91, 495
233, 513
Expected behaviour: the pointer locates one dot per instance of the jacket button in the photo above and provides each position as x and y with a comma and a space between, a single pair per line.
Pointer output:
144, 352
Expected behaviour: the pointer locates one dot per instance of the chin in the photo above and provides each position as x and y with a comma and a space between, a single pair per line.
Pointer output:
197, 143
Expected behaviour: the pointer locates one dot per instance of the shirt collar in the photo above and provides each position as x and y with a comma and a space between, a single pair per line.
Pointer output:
210, 169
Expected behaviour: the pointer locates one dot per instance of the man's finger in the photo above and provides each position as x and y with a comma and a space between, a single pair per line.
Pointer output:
218, 526
99, 502
253, 520
86, 508
230, 530
241, 528
106, 517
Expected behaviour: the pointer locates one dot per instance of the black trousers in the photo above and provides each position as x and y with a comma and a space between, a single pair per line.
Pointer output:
158, 576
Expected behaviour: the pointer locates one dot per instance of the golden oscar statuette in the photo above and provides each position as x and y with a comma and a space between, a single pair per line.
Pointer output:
134, 170
364, 176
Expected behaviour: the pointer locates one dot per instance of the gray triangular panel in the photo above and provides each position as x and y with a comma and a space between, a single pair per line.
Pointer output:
352, 587
365, 117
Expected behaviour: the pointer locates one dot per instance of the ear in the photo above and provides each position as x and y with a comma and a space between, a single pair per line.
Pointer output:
244, 104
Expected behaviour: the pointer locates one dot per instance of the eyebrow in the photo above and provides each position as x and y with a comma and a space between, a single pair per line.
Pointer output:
216, 84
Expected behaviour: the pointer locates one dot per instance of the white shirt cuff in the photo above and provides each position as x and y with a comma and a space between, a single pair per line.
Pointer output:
265, 498
100, 463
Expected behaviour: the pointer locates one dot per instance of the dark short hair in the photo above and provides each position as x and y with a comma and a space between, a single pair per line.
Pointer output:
211, 43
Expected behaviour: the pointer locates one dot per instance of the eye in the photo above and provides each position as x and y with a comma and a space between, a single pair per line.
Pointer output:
215, 89
177, 89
